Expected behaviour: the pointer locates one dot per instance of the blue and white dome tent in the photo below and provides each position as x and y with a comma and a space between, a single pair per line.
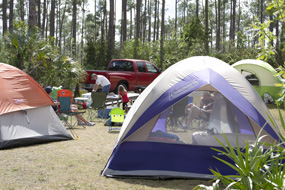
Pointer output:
153, 143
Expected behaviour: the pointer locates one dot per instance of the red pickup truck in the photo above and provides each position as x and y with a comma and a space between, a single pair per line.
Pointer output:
132, 73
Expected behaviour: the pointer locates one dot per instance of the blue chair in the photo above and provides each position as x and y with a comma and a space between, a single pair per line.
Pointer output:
64, 98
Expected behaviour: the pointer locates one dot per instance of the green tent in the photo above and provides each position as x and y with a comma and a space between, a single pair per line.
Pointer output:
261, 75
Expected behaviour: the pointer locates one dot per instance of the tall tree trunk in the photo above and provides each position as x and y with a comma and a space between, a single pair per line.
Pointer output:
138, 24
206, 27
4, 17
216, 14
74, 18
155, 17
234, 21
22, 12
124, 20
58, 7
32, 15
144, 21
224, 23
39, 13
131, 23
176, 1
61, 25
103, 22
111, 37
218, 38
106, 24
11, 15
47, 19
52, 18
158, 20
95, 19
44, 17
162, 35
231, 20
149, 21
239, 15
82, 32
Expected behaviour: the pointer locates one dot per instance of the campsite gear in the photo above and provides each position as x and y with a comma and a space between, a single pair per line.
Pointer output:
26, 115
268, 99
261, 75
176, 115
146, 147
64, 97
98, 104
81, 102
117, 115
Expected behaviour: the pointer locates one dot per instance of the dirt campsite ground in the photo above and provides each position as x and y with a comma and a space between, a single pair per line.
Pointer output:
77, 164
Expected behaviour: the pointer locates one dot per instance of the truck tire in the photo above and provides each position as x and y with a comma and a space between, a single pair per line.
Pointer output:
120, 83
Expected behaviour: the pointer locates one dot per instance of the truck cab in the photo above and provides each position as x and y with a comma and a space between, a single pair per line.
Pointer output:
133, 74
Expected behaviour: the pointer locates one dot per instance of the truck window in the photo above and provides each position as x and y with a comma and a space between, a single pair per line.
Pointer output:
129, 66
151, 68
141, 67
121, 66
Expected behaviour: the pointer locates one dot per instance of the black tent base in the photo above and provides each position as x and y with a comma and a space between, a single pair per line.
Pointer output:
33, 141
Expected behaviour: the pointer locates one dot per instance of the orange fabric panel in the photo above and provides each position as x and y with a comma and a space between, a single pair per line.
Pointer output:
64, 93
19, 91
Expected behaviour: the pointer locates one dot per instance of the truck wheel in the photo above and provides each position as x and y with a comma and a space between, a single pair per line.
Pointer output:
123, 84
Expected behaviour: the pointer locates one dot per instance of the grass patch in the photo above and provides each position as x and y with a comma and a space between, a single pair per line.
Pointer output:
77, 164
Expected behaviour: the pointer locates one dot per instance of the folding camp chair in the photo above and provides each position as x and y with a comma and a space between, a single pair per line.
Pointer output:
64, 98
177, 114
98, 104
117, 115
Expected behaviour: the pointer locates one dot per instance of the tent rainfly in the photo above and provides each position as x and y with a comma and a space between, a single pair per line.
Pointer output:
262, 76
154, 142
26, 115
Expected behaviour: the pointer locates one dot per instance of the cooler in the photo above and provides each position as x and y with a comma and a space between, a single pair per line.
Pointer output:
81, 100
88, 96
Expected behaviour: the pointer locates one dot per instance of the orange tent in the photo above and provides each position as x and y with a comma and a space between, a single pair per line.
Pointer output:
26, 115
19, 91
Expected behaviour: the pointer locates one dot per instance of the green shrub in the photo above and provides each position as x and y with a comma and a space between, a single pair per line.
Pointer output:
258, 166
